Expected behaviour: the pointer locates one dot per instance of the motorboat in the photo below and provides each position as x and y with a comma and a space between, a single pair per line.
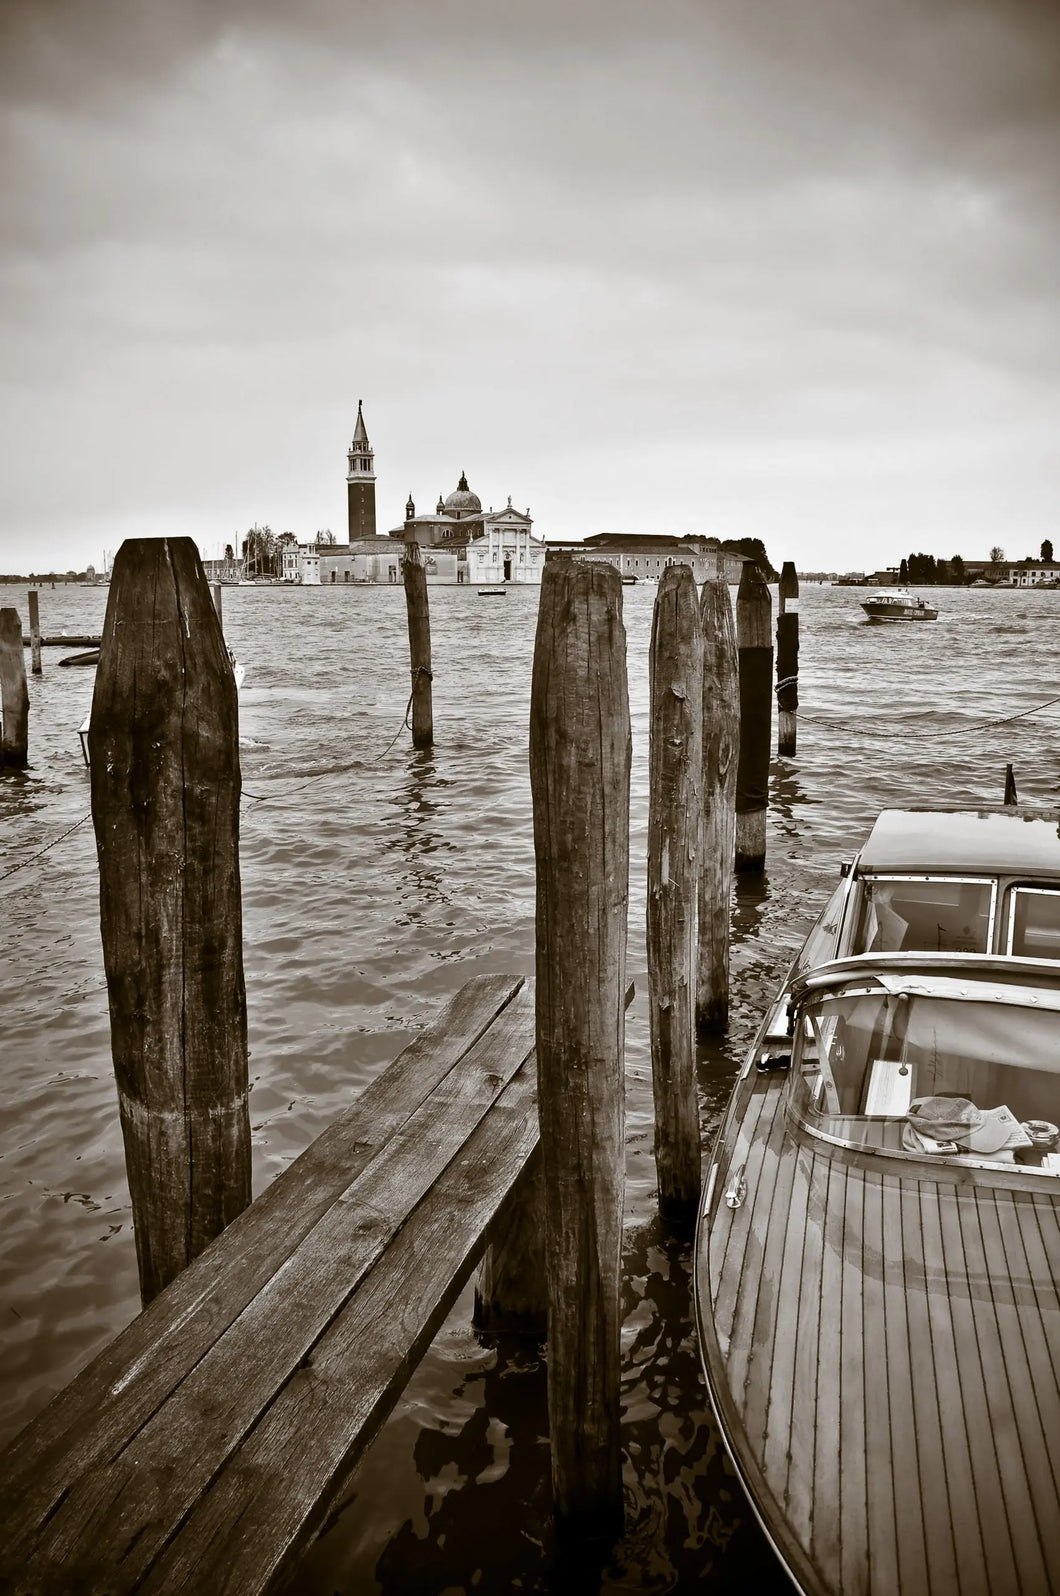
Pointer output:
878, 1252
897, 604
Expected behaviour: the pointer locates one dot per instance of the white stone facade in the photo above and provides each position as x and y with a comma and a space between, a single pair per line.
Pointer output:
506, 551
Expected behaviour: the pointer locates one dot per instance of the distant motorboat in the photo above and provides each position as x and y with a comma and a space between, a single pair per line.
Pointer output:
897, 604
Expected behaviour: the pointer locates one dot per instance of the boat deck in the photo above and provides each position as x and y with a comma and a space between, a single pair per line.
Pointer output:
931, 1301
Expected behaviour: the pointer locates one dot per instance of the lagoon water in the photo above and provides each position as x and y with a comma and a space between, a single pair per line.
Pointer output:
376, 881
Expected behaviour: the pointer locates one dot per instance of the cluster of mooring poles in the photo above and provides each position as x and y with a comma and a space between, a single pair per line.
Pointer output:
14, 688
165, 781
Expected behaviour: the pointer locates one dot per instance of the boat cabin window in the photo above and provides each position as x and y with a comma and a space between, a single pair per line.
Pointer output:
820, 945
865, 1062
921, 914
1034, 923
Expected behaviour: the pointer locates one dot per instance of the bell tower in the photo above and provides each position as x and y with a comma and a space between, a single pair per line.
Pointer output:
360, 482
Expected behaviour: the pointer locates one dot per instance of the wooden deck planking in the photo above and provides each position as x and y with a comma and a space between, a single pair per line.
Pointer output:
998, 1365
880, 1465
965, 1276
938, 1504
768, 1408
732, 1233
1019, 1329
901, 1256
824, 1506
123, 1508
853, 1487
768, 1201
797, 1465
972, 1566
117, 1393
275, 1491
143, 1435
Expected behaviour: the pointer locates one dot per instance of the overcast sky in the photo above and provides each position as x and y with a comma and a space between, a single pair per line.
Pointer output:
785, 268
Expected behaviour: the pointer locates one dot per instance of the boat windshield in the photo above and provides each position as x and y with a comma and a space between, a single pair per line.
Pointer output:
922, 914
1034, 926
866, 1062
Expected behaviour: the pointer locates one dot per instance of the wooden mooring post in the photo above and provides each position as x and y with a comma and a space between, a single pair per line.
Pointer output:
754, 643
414, 577
34, 633
165, 772
675, 794
787, 659
721, 746
14, 692
579, 778
1011, 796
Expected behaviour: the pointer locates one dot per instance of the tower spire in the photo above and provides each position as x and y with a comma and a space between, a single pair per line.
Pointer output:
360, 481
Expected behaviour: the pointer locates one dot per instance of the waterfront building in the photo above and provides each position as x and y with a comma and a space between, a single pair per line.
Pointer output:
491, 546
646, 555
1033, 573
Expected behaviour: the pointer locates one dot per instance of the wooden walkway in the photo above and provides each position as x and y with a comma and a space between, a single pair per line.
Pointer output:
201, 1450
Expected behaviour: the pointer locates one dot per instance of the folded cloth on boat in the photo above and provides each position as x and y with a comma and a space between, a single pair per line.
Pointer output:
956, 1119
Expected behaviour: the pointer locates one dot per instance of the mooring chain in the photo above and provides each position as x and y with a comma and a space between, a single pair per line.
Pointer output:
903, 729
31, 858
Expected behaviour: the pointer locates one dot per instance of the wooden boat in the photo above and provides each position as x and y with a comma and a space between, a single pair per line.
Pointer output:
90, 657
491, 592
896, 604
878, 1306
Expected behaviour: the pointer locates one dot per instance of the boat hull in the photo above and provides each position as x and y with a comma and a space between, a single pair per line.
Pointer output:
881, 1345
881, 615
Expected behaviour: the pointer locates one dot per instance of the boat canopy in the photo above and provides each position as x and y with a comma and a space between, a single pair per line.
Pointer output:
962, 841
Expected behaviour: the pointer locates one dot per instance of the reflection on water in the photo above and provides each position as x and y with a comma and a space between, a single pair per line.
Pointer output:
375, 883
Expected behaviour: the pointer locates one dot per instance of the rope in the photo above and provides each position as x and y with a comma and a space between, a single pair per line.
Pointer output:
339, 770
955, 731
786, 681
33, 857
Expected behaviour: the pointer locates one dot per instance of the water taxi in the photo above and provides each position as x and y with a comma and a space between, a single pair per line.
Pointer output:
878, 1254
897, 604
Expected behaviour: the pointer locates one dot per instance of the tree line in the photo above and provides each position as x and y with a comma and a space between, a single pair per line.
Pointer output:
929, 570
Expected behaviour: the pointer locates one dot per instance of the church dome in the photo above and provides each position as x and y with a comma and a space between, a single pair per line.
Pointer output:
462, 502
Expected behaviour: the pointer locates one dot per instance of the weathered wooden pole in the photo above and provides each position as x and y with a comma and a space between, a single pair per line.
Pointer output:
579, 779
1011, 797
511, 1295
34, 633
754, 643
165, 804
675, 795
14, 692
787, 659
419, 618
215, 593
721, 748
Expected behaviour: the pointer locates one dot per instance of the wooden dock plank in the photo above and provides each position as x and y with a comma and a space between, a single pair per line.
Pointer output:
275, 1493
83, 1434
729, 1233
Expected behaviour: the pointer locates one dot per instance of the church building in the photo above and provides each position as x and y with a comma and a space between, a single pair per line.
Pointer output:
360, 483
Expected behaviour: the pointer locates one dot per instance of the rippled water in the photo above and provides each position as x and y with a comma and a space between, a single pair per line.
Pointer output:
376, 881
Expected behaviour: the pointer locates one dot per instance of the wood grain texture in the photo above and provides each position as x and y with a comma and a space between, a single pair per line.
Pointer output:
417, 609
14, 692
220, 1466
87, 1426
787, 660
675, 774
34, 632
908, 1323
164, 750
717, 837
754, 646
511, 1292
579, 777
